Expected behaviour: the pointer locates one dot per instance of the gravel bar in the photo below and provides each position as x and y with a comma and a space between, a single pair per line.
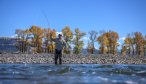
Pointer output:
45, 58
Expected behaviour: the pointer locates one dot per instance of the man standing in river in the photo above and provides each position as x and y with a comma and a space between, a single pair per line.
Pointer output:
59, 46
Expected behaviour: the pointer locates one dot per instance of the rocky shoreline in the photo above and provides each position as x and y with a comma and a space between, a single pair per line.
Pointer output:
71, 59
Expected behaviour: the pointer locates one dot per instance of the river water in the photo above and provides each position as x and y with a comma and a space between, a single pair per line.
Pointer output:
72, 74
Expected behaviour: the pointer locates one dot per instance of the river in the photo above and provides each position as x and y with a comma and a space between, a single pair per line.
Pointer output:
72, 74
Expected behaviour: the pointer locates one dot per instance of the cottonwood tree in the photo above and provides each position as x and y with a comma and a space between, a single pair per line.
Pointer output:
49, 44
46, 32
51, 47
22, 39
123, 50
144, 45
93, 36
139, 40
77, 41
68, 35
103, 41
37, 33
113, 41
108, 42
135, 42
129, 43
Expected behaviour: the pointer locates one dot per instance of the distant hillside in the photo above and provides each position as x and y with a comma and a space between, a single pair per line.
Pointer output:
7, 44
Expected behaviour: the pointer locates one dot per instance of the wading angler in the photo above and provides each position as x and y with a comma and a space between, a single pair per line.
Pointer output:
59, 46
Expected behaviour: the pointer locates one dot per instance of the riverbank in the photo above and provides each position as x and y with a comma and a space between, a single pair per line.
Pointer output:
71, 59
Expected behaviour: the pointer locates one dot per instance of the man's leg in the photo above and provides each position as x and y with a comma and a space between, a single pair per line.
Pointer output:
60, 57
56, 56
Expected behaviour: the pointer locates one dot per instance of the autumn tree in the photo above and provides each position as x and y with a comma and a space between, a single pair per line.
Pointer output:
89, 47
37, 33
77, 41
27, 39
93, 36
129, 42
135, 42
127, 45
103, 41
123, 50
68, 35
22, 39
47, 41
51, 47
139, 41
144, 45
113, 41
108, 42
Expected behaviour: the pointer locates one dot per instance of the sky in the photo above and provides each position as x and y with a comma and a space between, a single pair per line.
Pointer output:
122, 16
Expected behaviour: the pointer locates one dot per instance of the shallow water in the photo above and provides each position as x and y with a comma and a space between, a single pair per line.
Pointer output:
72, 74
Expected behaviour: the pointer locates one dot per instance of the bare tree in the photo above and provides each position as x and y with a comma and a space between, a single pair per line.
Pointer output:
93, 36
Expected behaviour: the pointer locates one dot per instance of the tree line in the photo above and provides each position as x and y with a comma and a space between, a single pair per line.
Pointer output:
38, 40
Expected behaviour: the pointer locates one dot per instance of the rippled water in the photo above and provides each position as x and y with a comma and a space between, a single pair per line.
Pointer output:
72, 74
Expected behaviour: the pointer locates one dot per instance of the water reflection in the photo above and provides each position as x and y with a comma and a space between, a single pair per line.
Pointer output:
72, 73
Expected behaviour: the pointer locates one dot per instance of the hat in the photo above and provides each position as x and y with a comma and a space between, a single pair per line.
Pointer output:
60, 35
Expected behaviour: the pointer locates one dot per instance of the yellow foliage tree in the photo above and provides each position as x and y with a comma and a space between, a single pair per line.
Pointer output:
108, 42
68, 35
135, 42
103, 41
123, 51
77, 41
46, 33
52, 44
144, 45
22, 39
127, 42
139, 41
37, 33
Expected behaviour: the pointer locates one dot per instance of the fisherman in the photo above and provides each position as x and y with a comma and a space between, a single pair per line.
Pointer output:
60, 44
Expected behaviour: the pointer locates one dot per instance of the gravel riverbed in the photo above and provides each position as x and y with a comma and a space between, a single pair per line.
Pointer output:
71, 59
